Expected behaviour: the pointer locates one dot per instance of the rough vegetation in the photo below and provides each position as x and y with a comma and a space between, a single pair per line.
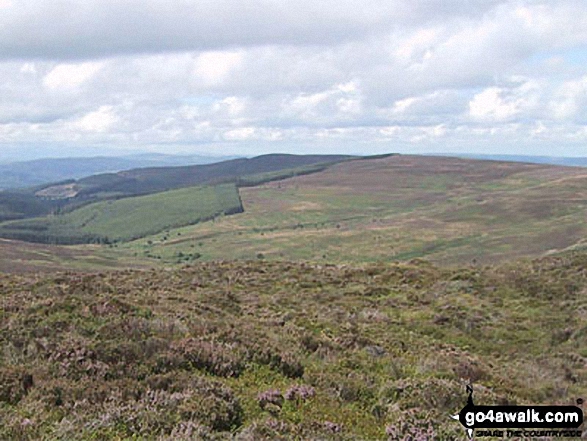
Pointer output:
278, 350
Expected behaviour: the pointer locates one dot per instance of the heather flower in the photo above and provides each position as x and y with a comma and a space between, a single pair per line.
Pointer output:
278, 426
271, 396
299, 393
332, 427
407, 431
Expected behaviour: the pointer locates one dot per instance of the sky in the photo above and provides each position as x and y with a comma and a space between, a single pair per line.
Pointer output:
234, 77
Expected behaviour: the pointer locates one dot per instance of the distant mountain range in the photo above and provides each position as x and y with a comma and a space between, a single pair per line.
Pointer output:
554, 160
38, 172
42, 171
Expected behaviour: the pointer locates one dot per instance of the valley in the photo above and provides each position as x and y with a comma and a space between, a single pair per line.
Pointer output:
352, 299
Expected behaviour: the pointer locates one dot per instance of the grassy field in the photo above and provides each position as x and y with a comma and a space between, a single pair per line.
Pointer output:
129, 218
397, 208
277, 350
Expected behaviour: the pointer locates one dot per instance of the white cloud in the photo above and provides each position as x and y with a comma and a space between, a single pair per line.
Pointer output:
341, 101
97, 121
418, 46
570, 99
241, 134
231, 106
212, 68
401, 106
61, 29
71, 76
379, 75
28, 68
489, 105
501, 104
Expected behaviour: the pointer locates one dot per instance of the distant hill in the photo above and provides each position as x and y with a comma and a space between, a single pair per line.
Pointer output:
68, 194
554, 160
448, 210
150, 180
97, 209
42, 171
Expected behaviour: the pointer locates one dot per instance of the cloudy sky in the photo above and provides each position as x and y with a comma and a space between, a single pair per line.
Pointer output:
256, 76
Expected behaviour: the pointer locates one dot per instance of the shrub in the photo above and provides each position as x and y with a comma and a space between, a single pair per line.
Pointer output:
215, 358
12, 388
271, 396
213, 405
300, 393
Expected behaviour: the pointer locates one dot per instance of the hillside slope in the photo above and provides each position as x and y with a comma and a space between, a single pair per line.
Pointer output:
156, 179
128, 218
286, 350
71, 194
554, 160
397, 208
18, 257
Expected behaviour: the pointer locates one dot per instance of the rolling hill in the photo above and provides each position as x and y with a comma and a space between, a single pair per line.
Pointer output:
394, 208
152, 180
129, 218
448, 210
294, 323
71, 194
568, 161
113, 207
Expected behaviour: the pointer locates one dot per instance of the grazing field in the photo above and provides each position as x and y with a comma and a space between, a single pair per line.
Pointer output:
277, 350
128, 218
396, 208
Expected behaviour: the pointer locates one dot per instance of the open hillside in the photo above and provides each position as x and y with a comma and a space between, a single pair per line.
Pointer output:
396, 208
447, 210
555, 160
277, 350
71, 194
122, 206
24, 257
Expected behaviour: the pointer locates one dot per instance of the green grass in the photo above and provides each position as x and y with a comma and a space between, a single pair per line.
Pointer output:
131, 218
